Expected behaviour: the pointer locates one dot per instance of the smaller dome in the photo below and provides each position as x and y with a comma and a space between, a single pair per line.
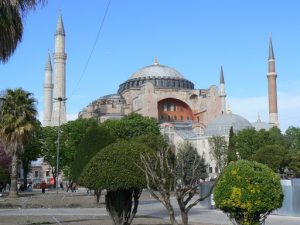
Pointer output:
221, 125
157, 70
259, 125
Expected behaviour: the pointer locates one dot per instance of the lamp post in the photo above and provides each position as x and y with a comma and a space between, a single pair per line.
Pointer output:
60, 99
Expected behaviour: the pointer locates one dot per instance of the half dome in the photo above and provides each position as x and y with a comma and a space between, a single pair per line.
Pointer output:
220, 126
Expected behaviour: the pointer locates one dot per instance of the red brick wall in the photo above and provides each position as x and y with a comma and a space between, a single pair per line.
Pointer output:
174, 110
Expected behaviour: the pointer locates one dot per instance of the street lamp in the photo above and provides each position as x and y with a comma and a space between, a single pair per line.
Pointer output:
60, 99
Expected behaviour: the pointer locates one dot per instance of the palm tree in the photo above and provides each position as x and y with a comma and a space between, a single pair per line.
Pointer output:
11, 25
17, 123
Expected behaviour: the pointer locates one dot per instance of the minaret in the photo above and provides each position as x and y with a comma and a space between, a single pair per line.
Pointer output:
59, 94
222, 92
48, 88
272, 75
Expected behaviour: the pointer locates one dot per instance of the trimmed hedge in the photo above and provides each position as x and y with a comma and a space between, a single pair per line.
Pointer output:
115, 167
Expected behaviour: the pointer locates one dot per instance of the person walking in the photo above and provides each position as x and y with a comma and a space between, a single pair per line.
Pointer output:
43, 187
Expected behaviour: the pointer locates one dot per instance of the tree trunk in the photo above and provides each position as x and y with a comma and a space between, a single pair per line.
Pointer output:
184, 217
171, 212
25, 173
119, 204
14, 175
98, 195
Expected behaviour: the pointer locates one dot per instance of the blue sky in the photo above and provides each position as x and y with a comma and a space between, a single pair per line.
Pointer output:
194, 36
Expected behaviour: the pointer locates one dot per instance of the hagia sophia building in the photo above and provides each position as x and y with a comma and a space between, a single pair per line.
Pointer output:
183, 112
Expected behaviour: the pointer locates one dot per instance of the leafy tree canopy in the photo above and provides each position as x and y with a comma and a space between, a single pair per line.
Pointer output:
71, 135
93, 141
295, 162
116, 167
292, 137
248, 191
11, 26
132, 125
274, 156
190, 166
219, 151
5, 159
248, 141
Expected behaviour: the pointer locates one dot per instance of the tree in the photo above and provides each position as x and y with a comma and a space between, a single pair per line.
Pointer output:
292, 137
274, 156
232, 154
218, 150
72, 134
11, 26
190, 169
49, 149
5, 163
248, 191
17, 123
294, 164
94, 140
132, 125
164, 172
31, 152
245, 143
5, 159
115, 168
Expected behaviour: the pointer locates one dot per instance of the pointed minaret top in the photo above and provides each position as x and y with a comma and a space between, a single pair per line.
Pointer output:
258, 118
48, 63
60, 30
271, 52
222, 81
155, 61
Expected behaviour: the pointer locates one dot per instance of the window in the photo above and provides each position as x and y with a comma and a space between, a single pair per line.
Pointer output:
165, 107
188, 117
169, 117
36, 173
161, 107
47, 173
181, 118
162, 117
168, 107
216, 169
175, 118
210, 169
172, 107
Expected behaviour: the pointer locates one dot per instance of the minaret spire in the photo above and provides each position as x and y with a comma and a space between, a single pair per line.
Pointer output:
59, 93
222, 92
271, 52
272, 88
156, 60
48, 88
60, 30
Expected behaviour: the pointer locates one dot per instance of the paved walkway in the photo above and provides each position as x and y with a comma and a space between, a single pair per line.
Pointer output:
149, 208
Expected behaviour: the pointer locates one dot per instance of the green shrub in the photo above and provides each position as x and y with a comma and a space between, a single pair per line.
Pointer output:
248, 191
114, 167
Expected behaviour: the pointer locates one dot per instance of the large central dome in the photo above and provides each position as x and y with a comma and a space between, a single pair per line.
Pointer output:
157, 70
162, 77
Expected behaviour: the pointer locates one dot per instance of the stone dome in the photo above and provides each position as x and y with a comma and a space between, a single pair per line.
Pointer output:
157, 70
221, 125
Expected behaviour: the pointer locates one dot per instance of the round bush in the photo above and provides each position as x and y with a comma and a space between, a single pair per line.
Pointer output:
115, 167
248, 191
